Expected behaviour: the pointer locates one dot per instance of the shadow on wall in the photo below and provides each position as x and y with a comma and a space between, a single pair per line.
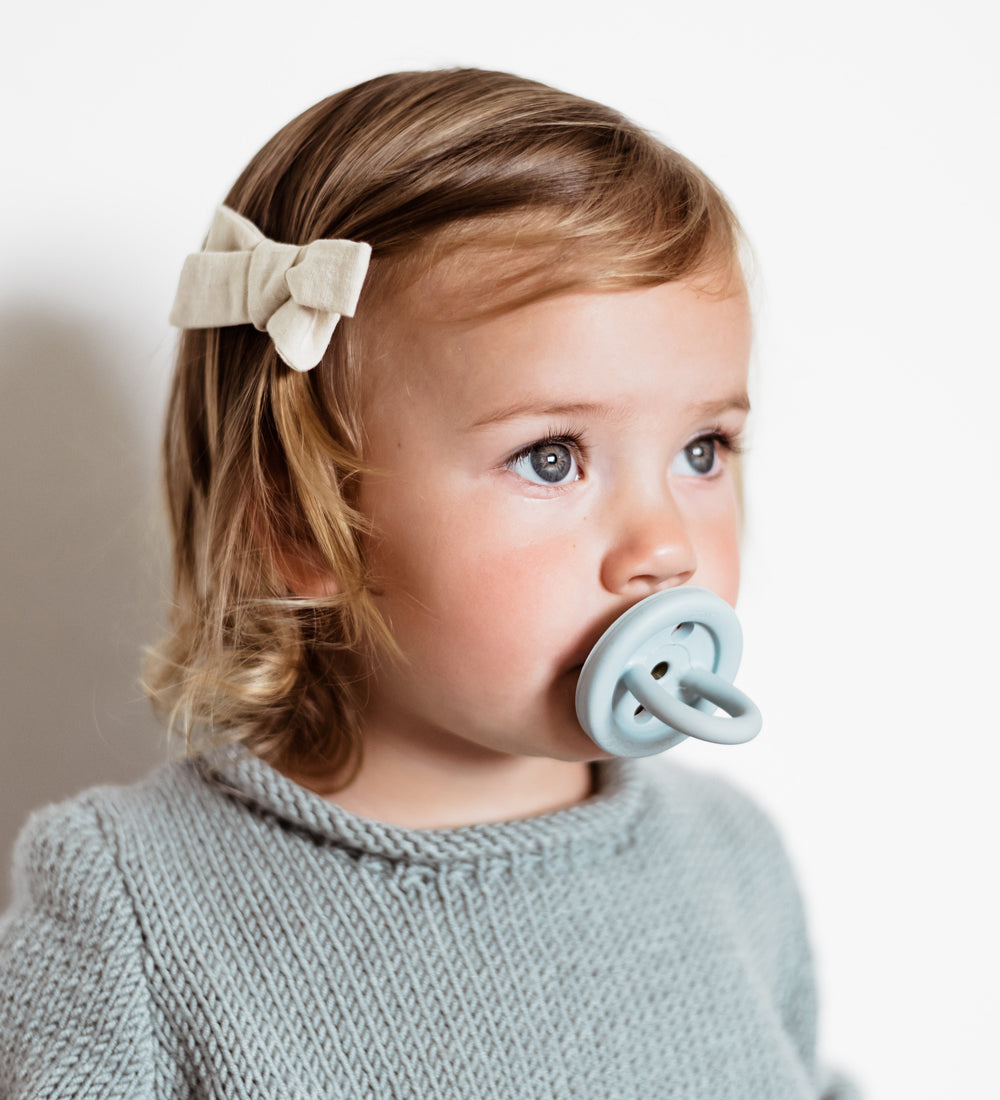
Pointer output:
83, 557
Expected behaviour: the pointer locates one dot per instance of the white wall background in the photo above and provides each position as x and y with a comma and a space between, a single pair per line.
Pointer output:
858, 141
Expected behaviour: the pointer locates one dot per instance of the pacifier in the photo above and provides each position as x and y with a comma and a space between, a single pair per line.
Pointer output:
659, 672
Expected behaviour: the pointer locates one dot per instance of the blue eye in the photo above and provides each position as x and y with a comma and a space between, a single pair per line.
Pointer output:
548, 462
699, 457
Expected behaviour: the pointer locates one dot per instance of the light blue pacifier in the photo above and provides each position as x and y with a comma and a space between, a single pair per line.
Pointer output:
658, 673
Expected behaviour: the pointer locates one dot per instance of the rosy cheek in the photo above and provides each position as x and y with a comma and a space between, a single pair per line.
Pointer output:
717, 546
725, 569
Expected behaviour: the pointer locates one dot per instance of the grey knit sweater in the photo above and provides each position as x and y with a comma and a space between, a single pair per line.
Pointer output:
217, 931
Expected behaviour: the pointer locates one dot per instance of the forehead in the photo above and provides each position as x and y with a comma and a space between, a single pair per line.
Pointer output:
680, 342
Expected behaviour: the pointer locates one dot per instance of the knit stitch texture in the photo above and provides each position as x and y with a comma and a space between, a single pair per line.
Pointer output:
217, 931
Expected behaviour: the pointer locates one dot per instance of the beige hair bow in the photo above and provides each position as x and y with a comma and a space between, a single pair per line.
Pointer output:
296, 293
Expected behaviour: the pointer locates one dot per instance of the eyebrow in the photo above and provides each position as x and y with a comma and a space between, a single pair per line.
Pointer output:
533, 408
738, 402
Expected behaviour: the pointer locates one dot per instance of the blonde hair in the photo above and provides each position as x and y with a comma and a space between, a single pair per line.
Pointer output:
262, 463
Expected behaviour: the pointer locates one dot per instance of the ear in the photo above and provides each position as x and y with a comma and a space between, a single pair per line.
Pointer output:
304, 577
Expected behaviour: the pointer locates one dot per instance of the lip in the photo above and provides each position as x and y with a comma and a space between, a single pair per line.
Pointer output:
577, 660
579, 657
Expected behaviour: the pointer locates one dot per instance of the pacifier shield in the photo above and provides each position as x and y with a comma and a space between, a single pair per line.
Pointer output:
659, 672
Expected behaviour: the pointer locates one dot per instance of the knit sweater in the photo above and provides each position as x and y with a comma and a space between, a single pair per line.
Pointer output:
218, 931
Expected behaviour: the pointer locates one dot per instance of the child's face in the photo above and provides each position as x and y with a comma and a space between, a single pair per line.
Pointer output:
541, 472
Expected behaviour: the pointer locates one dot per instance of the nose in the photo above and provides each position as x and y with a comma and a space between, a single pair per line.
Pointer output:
652, 549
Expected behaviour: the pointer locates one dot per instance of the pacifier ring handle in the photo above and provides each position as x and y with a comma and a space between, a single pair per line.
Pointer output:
743, 719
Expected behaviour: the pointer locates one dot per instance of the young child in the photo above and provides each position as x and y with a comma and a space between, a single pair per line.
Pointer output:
392, 864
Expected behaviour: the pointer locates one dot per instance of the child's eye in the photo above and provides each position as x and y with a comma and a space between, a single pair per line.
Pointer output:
700, 458
547, 462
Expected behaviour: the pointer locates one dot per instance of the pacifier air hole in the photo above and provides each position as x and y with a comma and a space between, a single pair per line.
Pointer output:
657, 672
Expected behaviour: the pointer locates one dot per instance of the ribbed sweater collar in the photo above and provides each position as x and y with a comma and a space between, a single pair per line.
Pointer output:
609, 815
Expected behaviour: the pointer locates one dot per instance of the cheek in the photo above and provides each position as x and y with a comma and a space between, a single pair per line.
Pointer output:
457, 581
718, 553
728, 586
478, 632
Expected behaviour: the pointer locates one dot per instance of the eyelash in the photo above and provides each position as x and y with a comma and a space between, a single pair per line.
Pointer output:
731, 444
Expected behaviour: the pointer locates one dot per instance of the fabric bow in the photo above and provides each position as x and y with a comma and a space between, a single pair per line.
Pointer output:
296, 293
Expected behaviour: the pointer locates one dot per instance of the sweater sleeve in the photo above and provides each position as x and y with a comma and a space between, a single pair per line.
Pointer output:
74, 1006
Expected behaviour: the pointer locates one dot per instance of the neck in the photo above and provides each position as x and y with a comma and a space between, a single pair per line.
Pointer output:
428, 787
